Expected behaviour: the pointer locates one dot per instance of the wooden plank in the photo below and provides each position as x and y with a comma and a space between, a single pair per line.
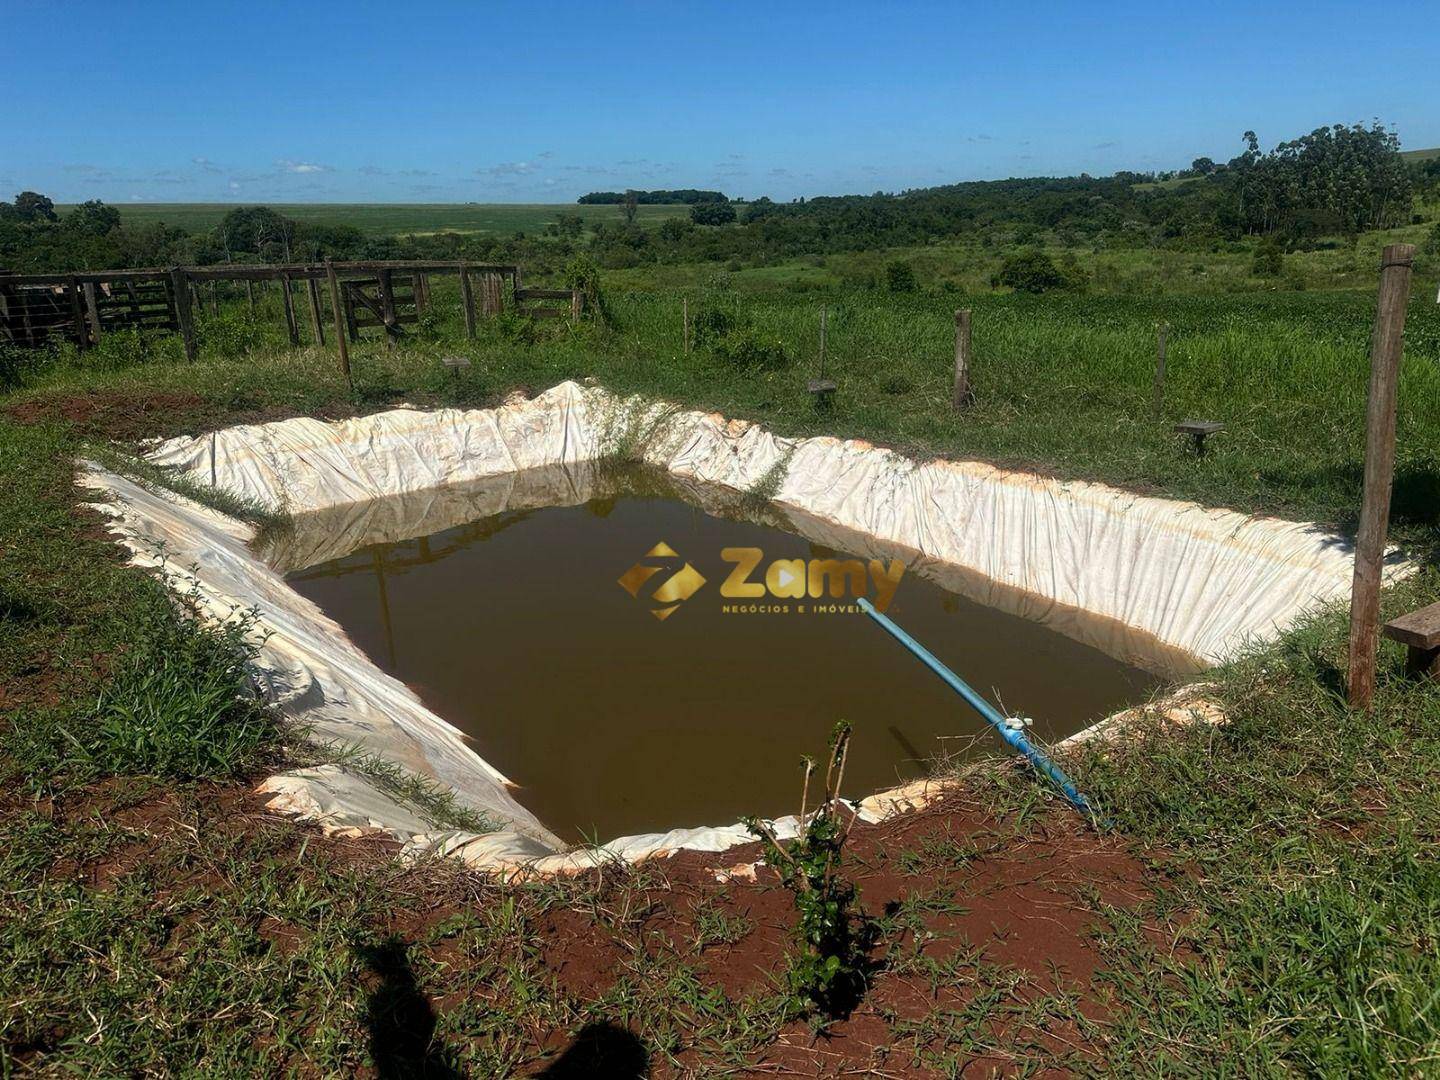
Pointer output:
334, 284
317, 323
375, 307
174, 303
467, 301
253, 272
1420, 629
1387, 344
288, 299
387, 304
366, 321
543, 294
347, 291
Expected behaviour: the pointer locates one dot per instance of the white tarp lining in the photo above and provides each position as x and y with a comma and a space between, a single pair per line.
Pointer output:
1201, 581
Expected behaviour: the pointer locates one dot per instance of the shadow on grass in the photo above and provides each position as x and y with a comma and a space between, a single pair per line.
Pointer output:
604, 1051
401, 1021
1414, 499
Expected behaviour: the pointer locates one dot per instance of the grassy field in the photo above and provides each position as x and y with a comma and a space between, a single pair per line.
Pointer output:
1282, 912
1063, 384
396, 219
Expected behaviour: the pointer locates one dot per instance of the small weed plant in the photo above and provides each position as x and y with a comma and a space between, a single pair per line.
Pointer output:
827, 975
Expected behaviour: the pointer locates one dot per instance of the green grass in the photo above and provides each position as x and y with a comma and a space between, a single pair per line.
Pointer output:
1292, 903
397, 219
1299, 877
1062, 384
134, 684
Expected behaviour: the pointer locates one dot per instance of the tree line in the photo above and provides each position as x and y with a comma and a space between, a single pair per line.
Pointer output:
677, 197
1334, 181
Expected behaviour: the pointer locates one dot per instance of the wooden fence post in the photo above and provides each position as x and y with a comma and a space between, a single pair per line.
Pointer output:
317, 320
822, 340
685, 321
387, 305
92, 311
77, 314
336, 308
1162, 334
288, 295
250, 293
467, 301
1387, 345
183, 315
961, 395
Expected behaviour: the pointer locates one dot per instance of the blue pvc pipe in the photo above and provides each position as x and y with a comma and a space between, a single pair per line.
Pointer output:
1014, 737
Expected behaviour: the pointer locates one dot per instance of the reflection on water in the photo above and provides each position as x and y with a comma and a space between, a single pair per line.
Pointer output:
513, 626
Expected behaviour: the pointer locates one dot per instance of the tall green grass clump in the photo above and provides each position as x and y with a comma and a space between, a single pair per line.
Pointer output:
106, 672
178, 705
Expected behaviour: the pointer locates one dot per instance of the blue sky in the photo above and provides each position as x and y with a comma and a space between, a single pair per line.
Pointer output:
218, 102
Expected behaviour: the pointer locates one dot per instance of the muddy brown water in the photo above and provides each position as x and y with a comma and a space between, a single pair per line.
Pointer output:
516, 629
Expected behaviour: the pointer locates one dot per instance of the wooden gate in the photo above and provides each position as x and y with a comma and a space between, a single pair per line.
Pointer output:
385, 302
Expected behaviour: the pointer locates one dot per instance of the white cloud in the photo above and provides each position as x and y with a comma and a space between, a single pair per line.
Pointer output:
302, 167
508, 168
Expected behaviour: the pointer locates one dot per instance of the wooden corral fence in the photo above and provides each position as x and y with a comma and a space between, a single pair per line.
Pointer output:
384, 295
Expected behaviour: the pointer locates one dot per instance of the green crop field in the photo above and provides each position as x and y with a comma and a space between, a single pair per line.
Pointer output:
398, 219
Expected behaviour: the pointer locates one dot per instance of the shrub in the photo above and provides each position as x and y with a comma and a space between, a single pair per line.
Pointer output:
234, 332
747, 348
128, 347
675, 229
1030, 270
17, 364
712, 213
1269, 261
900, 277
711, 323
583, 273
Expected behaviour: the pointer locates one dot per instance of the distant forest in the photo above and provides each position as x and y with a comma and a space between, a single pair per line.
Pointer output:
1334, 181
678, 197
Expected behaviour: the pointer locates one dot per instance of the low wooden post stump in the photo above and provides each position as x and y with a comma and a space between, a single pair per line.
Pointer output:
823, 391
1419, 632
456, 364
1199, 430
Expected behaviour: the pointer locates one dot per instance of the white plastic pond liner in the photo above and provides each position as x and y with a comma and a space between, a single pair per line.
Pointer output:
1202, 581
